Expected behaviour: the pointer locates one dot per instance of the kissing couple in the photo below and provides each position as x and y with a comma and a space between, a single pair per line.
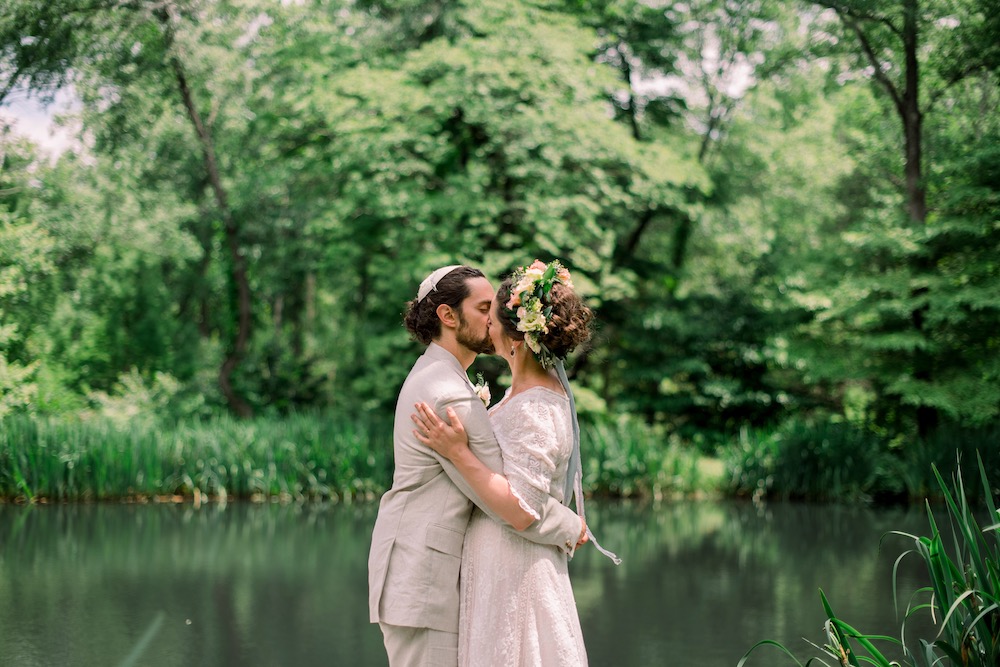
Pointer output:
469, 556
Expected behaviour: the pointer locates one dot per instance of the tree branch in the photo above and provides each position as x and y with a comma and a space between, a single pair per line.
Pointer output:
628, 245
958, 76
11, 84
866, 46
855, 13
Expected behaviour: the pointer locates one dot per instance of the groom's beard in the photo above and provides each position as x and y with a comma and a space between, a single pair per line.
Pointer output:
466, 338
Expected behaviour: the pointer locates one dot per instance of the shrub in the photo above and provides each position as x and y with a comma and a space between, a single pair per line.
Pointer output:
817, 460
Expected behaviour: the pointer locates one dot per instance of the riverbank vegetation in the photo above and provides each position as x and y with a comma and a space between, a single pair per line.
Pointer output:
842, 461
784, 214
961, 555
296, 458
321, 456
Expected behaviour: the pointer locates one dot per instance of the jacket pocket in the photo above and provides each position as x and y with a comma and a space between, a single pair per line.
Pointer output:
444, 539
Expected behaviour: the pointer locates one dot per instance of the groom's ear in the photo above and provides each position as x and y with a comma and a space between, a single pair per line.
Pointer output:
447, 316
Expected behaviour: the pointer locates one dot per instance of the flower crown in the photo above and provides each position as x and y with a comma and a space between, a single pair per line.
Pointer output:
529, 307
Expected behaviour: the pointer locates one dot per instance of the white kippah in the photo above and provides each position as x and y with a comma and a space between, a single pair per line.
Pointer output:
430, 282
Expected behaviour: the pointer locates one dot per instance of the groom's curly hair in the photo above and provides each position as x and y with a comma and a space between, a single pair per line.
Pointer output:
421, 319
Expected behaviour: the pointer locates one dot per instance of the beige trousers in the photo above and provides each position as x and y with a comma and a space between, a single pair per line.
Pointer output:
419, 647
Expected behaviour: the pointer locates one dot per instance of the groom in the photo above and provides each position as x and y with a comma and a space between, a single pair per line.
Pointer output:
416, 551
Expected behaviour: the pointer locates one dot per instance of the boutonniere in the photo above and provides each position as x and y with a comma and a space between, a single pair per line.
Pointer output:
482, 389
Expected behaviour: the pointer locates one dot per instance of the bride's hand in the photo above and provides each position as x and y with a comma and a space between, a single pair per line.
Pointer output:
584, 537
446, 438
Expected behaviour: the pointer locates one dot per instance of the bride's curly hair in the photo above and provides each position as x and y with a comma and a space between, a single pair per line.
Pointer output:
569, 322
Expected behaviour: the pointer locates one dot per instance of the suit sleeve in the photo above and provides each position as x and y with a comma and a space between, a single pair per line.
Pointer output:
557, 525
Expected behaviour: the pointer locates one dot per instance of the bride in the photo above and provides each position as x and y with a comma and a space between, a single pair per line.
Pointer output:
517, 605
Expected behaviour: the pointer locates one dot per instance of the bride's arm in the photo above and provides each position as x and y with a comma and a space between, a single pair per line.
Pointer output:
450, 440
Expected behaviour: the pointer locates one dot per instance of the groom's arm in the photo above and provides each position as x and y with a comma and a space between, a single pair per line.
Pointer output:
556, 524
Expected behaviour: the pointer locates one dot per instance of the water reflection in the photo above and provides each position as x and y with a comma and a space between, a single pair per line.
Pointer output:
244, 585
705, 581
276, 585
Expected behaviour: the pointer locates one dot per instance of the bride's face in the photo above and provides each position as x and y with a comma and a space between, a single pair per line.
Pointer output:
501, 343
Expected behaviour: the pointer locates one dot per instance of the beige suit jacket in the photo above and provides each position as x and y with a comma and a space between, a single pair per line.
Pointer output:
416, 550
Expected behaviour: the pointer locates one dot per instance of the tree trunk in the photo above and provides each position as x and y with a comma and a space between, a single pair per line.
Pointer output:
238, 263
906, 100
916, 197
912, 117
626, 71
309, 314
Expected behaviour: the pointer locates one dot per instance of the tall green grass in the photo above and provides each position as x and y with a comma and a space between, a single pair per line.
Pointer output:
963, 598
805, 460
913, 461
300, 456
628, 458
841, 461
304, 456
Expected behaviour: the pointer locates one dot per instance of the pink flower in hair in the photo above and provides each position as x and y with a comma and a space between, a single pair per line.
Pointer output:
563, 275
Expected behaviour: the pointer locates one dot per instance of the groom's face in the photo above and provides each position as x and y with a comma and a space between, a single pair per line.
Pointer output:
474, 316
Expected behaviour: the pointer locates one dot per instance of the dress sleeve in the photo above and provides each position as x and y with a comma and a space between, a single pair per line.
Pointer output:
532, 452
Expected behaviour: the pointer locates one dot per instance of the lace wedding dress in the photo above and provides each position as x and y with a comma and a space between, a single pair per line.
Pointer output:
517, 604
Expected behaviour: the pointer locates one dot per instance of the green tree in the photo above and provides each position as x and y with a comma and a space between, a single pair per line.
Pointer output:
116, 54
895, 40
490, 144
25, 254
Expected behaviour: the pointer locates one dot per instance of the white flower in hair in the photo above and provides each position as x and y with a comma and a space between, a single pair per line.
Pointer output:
531, 321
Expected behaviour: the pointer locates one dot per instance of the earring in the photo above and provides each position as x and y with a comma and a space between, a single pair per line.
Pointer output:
512, 350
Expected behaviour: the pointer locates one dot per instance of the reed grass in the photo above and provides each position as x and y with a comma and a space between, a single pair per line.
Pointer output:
841, 461
628, 458
808, 460
950, 446
963, 598
301, 456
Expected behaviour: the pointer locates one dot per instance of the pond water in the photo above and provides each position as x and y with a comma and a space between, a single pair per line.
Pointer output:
272, 585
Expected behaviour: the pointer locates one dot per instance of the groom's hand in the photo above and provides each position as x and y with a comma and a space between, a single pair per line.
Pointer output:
584, 538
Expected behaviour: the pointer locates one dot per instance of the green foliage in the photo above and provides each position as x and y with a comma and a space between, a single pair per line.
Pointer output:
824, 459
910, 293
25, 257
947, 273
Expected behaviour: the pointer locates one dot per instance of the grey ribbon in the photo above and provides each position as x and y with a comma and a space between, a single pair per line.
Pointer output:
574, 474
